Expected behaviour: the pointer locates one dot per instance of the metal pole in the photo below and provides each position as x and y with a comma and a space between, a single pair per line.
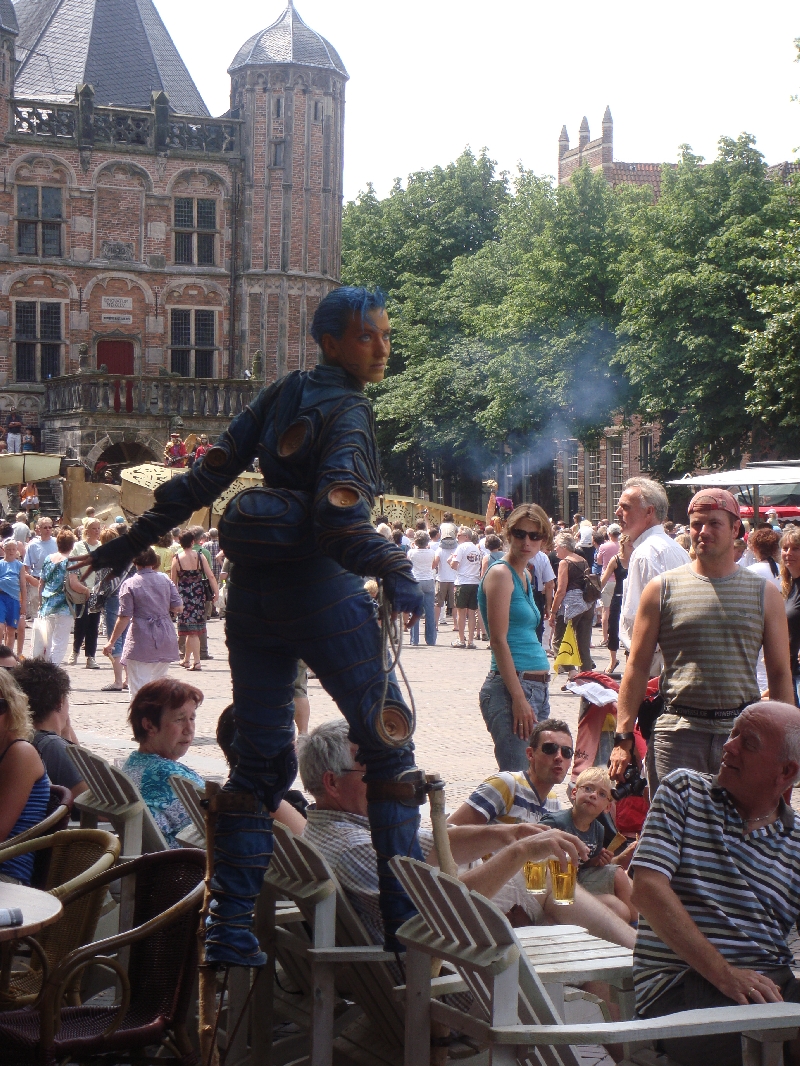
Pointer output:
756, 514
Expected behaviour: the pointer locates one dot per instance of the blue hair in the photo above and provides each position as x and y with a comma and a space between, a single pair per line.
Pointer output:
335, 311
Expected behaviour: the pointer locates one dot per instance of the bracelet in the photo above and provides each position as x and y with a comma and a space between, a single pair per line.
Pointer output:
620, 738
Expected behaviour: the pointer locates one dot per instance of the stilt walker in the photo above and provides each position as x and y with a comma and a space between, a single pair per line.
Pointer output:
296, 546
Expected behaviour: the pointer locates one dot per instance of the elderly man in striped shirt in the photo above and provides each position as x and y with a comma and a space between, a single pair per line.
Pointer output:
717, 883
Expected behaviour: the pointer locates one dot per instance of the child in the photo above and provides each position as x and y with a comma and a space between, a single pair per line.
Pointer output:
12, 591
598, 875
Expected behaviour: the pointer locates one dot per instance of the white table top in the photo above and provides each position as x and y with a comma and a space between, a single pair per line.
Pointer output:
572, 956
38, 909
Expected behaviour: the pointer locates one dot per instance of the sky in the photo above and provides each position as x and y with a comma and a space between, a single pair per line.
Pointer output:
430, 77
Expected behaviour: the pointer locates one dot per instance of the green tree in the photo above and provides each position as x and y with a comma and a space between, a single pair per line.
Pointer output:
692, 264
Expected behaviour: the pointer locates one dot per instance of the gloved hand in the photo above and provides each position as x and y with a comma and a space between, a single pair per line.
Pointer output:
404, 595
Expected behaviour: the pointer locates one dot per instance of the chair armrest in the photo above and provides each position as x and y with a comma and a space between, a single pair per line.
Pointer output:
365, 953
41, 829
690, 1023
440, 986
105, 862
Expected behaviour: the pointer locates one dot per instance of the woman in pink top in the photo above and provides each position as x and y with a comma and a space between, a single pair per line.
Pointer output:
149, 601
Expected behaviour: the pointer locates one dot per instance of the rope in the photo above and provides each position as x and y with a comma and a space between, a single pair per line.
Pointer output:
389, 638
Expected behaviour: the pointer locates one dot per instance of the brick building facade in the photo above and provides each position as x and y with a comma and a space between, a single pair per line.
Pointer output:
148, 250
598, 154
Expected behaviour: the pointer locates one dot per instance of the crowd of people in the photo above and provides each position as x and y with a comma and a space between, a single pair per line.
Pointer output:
703, 622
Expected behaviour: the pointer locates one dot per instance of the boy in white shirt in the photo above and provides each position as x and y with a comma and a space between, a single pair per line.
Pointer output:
466, 561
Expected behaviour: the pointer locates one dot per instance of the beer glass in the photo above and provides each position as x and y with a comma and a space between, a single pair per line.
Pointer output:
536, 877
563, 882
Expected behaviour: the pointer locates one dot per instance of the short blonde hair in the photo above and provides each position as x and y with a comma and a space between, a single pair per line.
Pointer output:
595, 775
19, 721
371, 586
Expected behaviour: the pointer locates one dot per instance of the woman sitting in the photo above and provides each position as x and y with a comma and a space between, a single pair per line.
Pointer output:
515, 695
24, 785
162, 715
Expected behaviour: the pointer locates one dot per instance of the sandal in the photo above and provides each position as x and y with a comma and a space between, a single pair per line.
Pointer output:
186, 666
472, 647
196, 666
457, 644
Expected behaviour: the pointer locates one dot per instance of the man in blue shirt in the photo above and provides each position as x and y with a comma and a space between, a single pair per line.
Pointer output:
37, 551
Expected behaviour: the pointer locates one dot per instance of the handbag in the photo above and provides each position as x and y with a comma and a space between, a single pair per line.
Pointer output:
591, 587
76, 601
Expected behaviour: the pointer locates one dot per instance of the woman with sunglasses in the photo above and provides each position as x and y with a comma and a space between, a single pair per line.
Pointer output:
515, 694
24, 785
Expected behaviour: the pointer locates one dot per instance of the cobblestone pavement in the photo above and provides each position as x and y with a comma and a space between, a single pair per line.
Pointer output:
451, 737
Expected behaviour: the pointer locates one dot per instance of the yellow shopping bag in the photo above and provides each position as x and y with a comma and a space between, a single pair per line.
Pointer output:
568, 654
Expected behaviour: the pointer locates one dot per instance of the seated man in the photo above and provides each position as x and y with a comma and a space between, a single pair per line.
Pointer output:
519, 797
338, 827
47, 688
716, 883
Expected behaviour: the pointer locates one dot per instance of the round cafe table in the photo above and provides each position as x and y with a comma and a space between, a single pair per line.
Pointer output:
38, 910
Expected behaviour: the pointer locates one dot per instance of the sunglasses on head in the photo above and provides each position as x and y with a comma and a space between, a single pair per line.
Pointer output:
551, 748
521, 534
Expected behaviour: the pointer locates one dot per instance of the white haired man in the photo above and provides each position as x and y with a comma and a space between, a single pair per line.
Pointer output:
338, 827
641, 513
717, 884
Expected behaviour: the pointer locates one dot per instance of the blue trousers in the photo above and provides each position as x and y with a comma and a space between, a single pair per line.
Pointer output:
318, 612
428, 590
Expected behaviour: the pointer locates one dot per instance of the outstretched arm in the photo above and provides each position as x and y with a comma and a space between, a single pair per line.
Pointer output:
180, 497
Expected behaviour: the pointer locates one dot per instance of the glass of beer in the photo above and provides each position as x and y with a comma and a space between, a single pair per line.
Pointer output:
563, 882
536, 877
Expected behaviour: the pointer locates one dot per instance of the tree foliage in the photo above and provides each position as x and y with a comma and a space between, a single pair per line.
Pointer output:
524, 312
690, 272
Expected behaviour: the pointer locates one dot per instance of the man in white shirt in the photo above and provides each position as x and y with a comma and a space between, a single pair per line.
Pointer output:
544, 587
466, 561
641, 513
446, 578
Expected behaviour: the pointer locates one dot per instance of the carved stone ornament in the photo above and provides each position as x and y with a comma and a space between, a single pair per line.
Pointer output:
257, 369
83, 359
118, 250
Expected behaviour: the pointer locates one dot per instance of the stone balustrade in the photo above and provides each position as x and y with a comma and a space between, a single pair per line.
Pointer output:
151, 397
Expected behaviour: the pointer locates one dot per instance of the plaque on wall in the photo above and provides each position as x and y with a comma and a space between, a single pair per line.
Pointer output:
120, 320
117, 303
118, 250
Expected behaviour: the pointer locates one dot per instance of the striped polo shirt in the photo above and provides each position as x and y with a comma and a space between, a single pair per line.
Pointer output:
742, 890
509, 797
710, 634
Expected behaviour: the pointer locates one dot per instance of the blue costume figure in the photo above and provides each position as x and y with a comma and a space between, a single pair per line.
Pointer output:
296, 546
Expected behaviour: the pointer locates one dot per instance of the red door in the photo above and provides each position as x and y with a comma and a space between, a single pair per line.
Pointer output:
117, 355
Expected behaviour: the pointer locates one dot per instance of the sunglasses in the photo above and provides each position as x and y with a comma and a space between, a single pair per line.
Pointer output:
551, 748
3, 706
521, 534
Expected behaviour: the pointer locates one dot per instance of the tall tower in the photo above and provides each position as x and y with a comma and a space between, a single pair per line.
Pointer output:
287, 83
9, 32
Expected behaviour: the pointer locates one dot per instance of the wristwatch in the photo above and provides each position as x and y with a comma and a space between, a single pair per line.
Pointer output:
620, 738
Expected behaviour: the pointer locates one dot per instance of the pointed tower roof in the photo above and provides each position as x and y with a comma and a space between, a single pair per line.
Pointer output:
607, 119
288, 40
564, 136
8, 18
120, 47
584, 126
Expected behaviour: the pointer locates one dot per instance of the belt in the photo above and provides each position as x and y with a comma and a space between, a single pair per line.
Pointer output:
701, 712
535, 675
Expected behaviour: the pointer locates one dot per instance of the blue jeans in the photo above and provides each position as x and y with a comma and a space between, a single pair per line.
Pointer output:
495, 701
111, 611
320, 613
428, 590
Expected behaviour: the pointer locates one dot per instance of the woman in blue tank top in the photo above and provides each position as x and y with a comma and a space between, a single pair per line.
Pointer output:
515, 694
24, 786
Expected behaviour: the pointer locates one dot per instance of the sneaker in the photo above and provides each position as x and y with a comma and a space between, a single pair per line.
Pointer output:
73, 658
91, 663
457, 644
205, 657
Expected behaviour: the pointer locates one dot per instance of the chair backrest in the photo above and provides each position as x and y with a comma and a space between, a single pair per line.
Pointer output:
470, 932
114, 796
299, 871
190, 795
161, 965
57, 812
76, 856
